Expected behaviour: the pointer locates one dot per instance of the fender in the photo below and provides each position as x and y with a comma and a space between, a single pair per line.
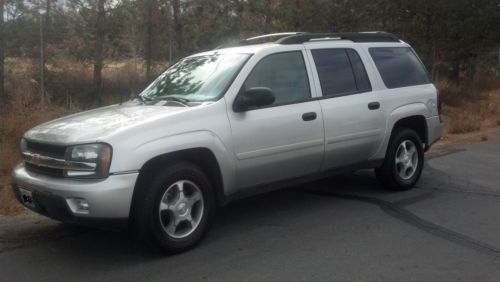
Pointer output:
144, 152
399, 113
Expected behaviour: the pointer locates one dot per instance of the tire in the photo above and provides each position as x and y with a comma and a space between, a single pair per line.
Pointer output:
404, 161
170, 218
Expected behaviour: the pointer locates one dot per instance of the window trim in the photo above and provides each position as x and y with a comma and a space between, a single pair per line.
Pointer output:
311, 98
235, 75
416, 56
348, 93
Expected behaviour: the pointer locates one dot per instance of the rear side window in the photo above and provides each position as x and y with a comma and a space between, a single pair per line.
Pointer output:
285, 74
399, 66
341, 72
362, 81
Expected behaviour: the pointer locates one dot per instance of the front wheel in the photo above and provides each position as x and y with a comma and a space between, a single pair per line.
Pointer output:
174, 211
404, 161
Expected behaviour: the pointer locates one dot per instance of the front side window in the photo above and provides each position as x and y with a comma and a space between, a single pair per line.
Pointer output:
285, 74
399, 67
196, 79
341, 72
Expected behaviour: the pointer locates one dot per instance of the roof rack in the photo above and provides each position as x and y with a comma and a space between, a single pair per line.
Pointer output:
268, 38
287, 38
377, 36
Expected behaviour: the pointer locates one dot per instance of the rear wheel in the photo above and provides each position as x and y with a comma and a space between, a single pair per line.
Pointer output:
403, 162
174, 211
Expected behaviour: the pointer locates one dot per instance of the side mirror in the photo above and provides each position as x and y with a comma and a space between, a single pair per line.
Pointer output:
253, 97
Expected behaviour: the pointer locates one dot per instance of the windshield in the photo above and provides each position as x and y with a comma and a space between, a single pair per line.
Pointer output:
196, 79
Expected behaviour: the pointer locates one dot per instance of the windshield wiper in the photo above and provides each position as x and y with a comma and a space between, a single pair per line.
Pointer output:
181, 101
146, 100
143, 99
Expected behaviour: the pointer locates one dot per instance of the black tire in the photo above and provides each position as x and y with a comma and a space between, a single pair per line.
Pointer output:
146, 220
388, 174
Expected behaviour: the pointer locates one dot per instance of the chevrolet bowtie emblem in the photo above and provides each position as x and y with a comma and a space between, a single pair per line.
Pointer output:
35, 159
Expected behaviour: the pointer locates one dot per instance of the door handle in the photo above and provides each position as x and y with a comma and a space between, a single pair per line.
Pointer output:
374, 105
309, 116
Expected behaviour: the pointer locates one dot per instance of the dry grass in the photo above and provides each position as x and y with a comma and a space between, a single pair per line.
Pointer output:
23, 111
68, 88
8, 205
470, 107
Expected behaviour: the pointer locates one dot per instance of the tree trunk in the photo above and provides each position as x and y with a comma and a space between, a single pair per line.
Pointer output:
149, 38
297, 15
170, 33
98, 51
2, 54
178, 27
269, 17
48, 12
471, 68
454, 73
44, 32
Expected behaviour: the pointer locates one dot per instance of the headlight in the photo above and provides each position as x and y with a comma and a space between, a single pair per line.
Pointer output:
88, 161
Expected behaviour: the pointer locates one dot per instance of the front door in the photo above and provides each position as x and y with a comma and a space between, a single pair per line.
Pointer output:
283, 140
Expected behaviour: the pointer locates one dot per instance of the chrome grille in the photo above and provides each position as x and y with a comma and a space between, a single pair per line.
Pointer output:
54, 172
42, 150
49, 150
50, 160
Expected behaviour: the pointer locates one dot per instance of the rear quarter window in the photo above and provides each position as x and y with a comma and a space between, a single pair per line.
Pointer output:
399, 67
341, 72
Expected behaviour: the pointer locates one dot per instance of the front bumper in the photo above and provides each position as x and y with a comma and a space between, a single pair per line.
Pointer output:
108, 200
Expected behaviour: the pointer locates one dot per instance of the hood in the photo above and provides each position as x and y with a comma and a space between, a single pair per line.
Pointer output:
97, 125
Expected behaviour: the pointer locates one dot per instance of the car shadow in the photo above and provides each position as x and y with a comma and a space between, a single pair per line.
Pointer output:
273, 209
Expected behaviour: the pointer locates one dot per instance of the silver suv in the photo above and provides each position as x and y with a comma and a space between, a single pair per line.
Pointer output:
274, 110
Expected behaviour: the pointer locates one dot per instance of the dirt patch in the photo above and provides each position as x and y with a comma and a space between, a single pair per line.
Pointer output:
457, 140
8, 203
469, 109
29, 227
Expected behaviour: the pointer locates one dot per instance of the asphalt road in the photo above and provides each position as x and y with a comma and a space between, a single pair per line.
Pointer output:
344, 228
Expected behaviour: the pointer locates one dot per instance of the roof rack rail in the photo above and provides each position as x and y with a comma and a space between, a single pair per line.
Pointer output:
268, 37
287, 38
376, 36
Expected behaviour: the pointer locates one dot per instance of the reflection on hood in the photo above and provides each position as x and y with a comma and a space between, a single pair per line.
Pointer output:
94, 125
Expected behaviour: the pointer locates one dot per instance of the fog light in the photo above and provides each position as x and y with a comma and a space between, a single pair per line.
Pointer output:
78, 205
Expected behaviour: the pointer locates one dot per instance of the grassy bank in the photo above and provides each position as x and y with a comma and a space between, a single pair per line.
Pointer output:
470, 106
467, 107
68, 86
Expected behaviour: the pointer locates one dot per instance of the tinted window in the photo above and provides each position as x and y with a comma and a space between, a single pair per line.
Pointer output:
399, 67
362, 81
285, 74
335, 72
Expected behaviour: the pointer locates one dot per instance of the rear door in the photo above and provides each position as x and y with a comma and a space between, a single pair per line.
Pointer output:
286, 139
353, 119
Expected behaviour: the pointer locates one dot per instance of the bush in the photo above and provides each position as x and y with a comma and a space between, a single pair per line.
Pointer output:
68, 87
470, 106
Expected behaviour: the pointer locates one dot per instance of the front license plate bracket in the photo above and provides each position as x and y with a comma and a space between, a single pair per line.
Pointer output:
27, 198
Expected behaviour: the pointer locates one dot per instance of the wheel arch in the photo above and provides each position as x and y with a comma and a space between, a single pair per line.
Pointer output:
202, 157
413, 116
417, 123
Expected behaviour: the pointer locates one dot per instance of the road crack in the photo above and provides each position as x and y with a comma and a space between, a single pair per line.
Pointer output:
398, 211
